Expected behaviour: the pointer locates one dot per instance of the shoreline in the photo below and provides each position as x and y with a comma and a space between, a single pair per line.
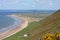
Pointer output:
22, 25
14, 25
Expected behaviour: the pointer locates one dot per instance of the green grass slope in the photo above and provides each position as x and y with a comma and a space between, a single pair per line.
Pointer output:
36, 30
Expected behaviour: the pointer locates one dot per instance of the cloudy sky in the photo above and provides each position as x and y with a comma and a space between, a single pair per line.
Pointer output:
30, 4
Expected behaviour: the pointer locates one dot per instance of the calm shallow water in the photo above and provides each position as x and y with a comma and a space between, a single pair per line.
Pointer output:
7, 22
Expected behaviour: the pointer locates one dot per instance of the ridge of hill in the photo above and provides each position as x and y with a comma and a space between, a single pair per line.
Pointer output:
51, 24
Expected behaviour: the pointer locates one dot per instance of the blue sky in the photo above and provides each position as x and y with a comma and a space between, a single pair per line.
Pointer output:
30, 4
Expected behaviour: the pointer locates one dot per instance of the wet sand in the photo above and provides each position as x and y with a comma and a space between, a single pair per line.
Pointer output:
20, 27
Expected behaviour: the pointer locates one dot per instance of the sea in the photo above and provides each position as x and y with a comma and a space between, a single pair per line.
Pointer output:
8, 23
4, 12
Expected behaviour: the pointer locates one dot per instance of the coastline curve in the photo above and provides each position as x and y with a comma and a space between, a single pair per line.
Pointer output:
24, 24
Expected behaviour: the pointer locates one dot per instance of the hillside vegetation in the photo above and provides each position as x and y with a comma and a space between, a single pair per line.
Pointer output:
51, 24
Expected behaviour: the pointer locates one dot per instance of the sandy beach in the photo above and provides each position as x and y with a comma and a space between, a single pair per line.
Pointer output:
20, 27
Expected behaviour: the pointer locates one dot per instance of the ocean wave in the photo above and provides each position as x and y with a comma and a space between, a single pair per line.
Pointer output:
13, 26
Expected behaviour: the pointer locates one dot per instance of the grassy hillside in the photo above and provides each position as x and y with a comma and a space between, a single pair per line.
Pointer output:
36, 30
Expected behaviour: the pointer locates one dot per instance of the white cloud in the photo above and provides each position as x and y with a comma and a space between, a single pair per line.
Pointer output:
30, 4
10, 1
